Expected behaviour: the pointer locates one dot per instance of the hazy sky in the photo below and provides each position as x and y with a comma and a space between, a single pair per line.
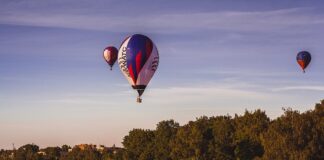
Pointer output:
216, 58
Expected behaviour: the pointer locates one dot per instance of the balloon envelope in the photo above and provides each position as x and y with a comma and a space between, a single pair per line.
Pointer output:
303, 59
110, 55
138, 59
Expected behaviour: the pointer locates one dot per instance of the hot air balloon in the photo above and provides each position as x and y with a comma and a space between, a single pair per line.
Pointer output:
138, 59
303, 59
110, 55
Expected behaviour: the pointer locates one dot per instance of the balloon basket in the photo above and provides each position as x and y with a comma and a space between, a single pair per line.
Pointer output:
139, 100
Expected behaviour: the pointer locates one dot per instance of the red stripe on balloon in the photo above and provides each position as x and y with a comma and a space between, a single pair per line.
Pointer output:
138, 62
131, 73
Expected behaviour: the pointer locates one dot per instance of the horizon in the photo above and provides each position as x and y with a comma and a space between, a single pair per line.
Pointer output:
216, 58
255, 112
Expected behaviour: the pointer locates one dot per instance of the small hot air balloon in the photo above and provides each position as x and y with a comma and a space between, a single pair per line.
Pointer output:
110, 55
303, 59
138, 59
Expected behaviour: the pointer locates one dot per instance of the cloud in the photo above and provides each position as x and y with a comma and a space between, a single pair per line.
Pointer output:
275, 20
245, 73
87, 99
309, 88
203, 94
193, 94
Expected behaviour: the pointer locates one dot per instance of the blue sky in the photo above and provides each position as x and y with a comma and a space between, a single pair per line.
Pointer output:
216, 58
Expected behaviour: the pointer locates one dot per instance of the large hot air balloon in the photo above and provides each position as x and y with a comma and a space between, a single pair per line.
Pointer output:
110, 55
138, 59
303, 59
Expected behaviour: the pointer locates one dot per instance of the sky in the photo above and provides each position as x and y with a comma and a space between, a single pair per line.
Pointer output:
216, 58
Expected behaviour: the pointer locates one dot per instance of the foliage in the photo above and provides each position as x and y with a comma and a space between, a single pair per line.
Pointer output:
253, 135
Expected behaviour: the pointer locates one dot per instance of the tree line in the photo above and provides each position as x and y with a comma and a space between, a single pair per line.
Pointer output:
253, 135
78, 152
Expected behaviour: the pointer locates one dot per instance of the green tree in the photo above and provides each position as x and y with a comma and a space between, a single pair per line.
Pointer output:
296, 135
139, 144
164, 133
222, 145
6, 154
248, 129
88, 153
65, 148
64, 152
192, 140
113, 153
27, 152
52, 153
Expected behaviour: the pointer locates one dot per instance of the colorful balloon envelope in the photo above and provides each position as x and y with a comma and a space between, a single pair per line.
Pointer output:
110, 55
303, 59
138, 59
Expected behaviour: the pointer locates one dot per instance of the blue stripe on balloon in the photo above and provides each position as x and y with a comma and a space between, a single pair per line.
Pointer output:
136, 44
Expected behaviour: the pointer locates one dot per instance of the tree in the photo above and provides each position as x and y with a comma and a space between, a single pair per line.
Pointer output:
296, 136
165, 132
6, 154
65, 148
87, 153
27, 152
139, 144
192, 140
248, 129
52, 153
222, 145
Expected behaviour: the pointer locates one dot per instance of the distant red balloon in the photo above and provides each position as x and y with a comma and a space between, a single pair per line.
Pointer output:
110, 54
303, 59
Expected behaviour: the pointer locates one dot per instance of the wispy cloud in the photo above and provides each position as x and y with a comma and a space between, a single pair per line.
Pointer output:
275, 20
87, 99
203, 94
309, 88
242, 72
